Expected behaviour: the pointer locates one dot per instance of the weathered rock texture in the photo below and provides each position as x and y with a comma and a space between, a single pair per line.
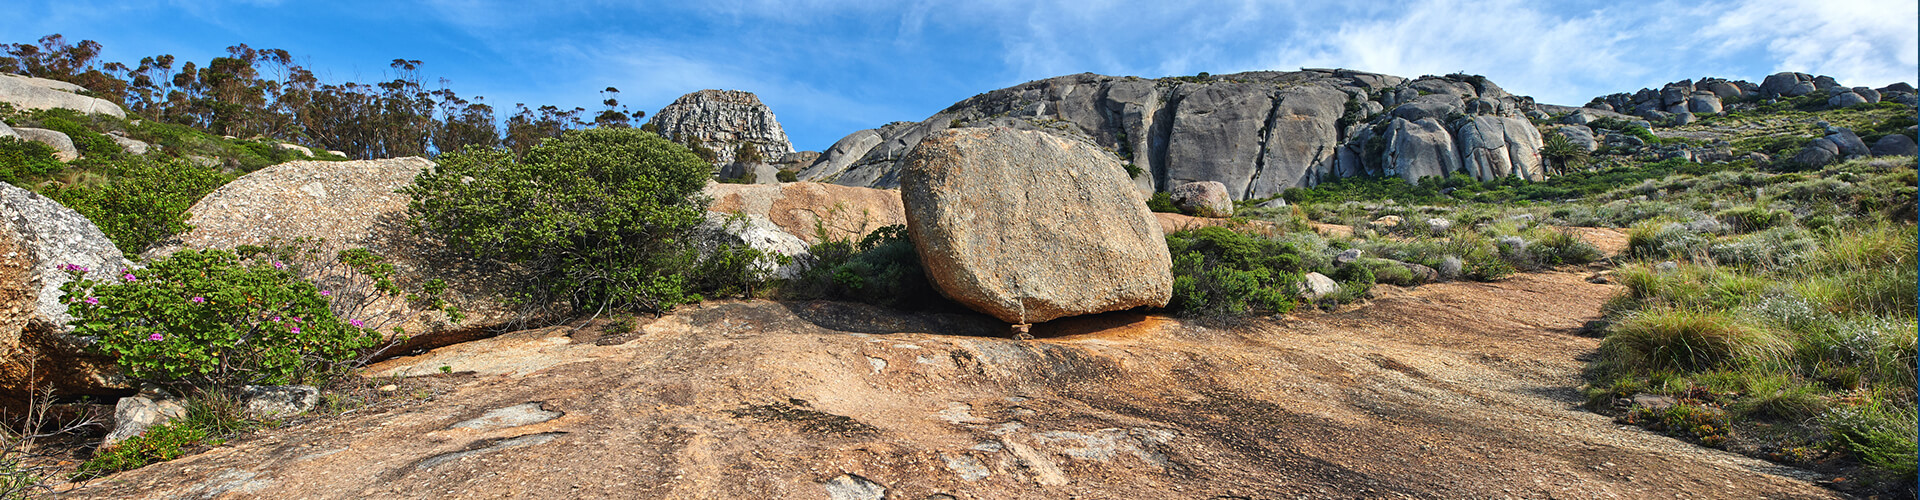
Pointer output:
1204, 198
350, 204
804, 209
62, 145
722, 120
25, 92
1027, 226
1256, 133
1674, 102
37, 237
1450, 390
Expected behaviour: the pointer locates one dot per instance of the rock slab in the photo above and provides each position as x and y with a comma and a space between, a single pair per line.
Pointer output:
38, 237
1203, 199
723, 120
1027, 226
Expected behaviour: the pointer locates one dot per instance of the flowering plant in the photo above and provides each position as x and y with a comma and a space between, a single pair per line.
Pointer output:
210, 318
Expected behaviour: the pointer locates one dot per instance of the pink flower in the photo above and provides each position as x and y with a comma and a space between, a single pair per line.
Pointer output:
129, 277
276, 319
75, 268
93, 301
356, 323
296, 329
156, 337
279, 265
197, 300
296, 319
324, 293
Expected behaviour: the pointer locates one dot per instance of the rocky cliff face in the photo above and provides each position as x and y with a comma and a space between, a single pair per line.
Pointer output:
722, 120
1258, 133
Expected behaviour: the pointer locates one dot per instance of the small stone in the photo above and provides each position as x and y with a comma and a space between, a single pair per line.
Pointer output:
389, 388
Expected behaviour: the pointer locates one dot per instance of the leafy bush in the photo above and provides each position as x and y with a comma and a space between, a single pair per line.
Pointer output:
1555, 247
1217, 271
1750, 219
881, 269
159, 444
1882, 437
23, 160
1679, 339
600, 218
1162, 202
1658, 239
210, 319
787, 176
141, 200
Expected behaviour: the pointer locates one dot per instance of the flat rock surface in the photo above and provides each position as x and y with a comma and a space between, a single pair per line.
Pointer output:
1456, 390
845, 212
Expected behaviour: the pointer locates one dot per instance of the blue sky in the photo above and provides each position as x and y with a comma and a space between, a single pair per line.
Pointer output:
829, 67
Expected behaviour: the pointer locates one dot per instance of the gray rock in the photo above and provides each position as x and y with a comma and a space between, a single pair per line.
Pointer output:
303, 150
1215, 134
1704, 104
1845, 99
271, 401
512, 416
1800, 89
1420, 148
854, 487
1316, 285
1579, 135
1577, 118
1683, 118
758, 232
1869, 94
61, 144
1421, 274
1029, 226
26, 93
754, 173
1435, 106
133, 415
1782, 84
1821, 152
836, 159
1439, 226
722, 120
130, 145
1493, 147
1722, 89
1301, 140
1895, 145
6, 131
1273, 203
38, 239
1348, 256
1827, 84
1203, 199
1901, 87
1847, 144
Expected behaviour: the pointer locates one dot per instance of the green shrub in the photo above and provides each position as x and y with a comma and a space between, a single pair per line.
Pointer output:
1693, 422
1657, 239
1162, 202
881, 269
600, 218
1880, 436
1555, 247
1750, 219
159, 444
1220, 272
787, 176
23, 160
142, 200
210, 319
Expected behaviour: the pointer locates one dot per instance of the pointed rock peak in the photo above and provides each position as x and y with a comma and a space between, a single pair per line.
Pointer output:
723, 121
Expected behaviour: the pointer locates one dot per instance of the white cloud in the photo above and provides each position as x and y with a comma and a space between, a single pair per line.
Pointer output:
1857, 42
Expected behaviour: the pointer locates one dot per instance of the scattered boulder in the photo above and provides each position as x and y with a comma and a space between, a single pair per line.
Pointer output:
1421, 274
1348, 256
723, 120
130, 145
753, 173
1845, 99
1203, 199
61, 144
1579, 135
1389, 221
1704, 104
806, 209
351, 204
295, 148
25, 92
1849, 144
1439, 226
276, 401
757, 232
1314, 286
1869, 94
1895, 145
1821, 152
1785, 85
1028, 226
39, 241
133, 415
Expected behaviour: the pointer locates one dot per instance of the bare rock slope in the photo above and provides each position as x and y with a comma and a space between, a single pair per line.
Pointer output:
723, 120
1457, 390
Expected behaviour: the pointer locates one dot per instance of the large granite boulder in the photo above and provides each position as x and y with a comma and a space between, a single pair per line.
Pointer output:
751, 173
1786, 85
723, 120
1203, 199
1028, 226
39, 238
62, 145
1580, 135
809, 210
1849, 144
1895, 145
844, 152
25, 92
346, 205
1493, 147
1216, 134
1420, 148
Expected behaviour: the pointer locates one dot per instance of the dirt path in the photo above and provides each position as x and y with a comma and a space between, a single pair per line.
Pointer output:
1457, 390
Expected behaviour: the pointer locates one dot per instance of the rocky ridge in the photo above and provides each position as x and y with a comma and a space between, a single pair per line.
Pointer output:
722, 120
1258, 133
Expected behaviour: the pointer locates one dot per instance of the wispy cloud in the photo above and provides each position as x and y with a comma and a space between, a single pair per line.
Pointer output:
1857, 42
